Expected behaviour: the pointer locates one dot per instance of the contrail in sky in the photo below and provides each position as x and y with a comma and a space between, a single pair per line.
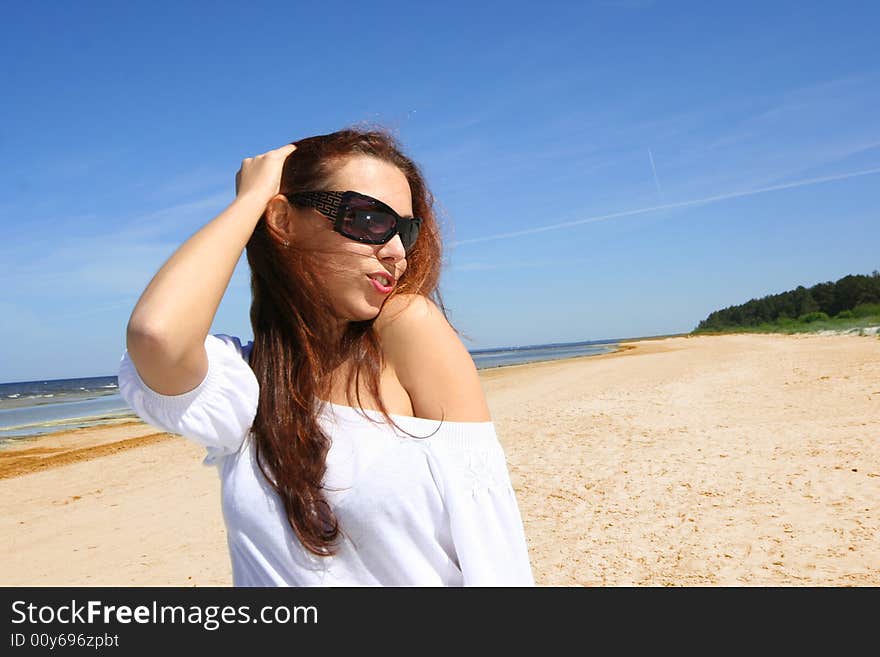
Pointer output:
680, 204
654, 169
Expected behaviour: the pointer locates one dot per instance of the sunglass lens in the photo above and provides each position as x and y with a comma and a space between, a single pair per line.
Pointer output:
371, 225
409, 231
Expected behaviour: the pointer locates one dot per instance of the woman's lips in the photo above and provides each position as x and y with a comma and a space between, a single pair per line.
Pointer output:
383, 289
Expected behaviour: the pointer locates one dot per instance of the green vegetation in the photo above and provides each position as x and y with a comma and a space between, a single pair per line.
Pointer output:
853, 302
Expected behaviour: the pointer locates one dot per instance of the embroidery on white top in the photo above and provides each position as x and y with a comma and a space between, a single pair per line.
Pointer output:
480, 468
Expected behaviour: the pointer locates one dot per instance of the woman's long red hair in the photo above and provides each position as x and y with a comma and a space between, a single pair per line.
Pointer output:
295, 347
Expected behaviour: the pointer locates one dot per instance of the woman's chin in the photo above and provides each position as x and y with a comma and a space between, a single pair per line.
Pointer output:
363, 311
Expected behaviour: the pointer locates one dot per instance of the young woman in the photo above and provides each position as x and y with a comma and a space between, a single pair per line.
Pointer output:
351, 436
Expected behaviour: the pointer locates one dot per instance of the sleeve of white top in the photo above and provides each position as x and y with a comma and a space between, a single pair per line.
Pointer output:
216, 414
470, 469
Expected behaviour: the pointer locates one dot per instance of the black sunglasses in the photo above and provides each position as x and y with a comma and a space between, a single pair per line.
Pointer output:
360, 217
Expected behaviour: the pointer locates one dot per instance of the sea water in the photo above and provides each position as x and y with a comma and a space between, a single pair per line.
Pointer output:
486, 358
31, 408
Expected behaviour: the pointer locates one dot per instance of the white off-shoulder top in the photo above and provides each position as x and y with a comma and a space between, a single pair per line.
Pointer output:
435, 511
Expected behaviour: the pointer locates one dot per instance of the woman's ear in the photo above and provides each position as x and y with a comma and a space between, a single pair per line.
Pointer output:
280, 218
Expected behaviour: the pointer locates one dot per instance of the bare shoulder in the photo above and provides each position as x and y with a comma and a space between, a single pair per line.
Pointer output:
404, 308
430, 360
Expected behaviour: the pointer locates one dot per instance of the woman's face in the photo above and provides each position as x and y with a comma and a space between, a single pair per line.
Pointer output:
345, 266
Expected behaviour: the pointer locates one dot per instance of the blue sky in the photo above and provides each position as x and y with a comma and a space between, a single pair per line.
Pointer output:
677, 157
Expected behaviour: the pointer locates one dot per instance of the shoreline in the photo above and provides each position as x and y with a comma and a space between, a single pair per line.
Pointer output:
17, 443
8, 443
25, 454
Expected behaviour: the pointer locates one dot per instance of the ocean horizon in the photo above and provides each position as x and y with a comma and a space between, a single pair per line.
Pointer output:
32, 408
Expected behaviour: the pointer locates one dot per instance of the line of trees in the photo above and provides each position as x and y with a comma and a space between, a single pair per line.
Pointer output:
820, 301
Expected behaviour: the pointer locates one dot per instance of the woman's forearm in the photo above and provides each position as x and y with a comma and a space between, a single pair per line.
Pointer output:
175, 311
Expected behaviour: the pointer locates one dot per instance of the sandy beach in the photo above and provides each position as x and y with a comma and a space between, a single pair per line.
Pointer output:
737, 460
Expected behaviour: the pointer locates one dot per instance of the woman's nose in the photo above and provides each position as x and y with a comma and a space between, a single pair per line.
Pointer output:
392, 250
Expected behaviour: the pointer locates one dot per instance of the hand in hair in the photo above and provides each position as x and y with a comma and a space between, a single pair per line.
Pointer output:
261, 175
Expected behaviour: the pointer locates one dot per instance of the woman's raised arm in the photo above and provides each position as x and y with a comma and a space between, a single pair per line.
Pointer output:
166, 332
